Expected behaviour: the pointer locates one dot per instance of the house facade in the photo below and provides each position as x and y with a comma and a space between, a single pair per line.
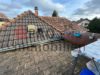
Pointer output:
83, 22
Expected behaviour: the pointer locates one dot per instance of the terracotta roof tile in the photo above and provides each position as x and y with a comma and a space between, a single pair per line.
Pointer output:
60, 23
56, 22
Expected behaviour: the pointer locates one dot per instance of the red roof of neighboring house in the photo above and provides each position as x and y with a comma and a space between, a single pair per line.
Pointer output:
60, 23
57, 22
3, 17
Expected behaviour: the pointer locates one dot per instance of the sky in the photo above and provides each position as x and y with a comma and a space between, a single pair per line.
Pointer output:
71, 9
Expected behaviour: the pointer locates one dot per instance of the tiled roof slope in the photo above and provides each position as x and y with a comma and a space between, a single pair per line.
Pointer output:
15, 34
2, 16
60, 23
56, 22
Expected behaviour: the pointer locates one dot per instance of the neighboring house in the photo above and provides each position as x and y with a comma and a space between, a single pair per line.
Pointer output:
78, 28
60, 23
3, 19
83, 22
64, 26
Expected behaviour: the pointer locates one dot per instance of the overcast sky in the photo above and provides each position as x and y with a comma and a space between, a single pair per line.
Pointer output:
71, 9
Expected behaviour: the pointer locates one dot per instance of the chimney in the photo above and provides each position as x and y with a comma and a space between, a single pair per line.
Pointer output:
36, 11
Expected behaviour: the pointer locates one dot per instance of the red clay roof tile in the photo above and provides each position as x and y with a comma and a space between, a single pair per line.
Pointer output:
60, 23
56, 22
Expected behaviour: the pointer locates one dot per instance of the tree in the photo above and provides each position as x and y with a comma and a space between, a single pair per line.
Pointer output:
55, 13
94, 25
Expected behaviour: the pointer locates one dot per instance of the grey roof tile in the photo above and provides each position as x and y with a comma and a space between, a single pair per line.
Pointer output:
15, 32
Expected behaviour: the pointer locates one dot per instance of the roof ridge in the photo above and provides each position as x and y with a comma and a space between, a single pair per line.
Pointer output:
55, 18
22, 15
52, 17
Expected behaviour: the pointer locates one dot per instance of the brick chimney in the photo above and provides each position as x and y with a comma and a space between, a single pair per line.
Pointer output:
36, 11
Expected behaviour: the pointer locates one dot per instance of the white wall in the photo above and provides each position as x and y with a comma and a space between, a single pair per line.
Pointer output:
84, 23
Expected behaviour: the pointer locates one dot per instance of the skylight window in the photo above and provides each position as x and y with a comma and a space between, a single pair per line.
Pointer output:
32, 29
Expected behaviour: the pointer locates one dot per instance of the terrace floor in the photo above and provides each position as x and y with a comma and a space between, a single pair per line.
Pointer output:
52, 59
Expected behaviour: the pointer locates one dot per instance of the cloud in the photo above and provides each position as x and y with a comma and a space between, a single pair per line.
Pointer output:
90, 9
9, 8
47, 6
5, 6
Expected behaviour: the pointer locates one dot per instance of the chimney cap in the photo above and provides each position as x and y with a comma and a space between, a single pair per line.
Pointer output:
36, 8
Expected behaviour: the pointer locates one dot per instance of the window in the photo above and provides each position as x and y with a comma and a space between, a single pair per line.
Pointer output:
40, 30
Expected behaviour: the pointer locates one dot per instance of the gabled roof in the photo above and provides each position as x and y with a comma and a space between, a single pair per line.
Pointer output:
15, 35
81, 20
61, 23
